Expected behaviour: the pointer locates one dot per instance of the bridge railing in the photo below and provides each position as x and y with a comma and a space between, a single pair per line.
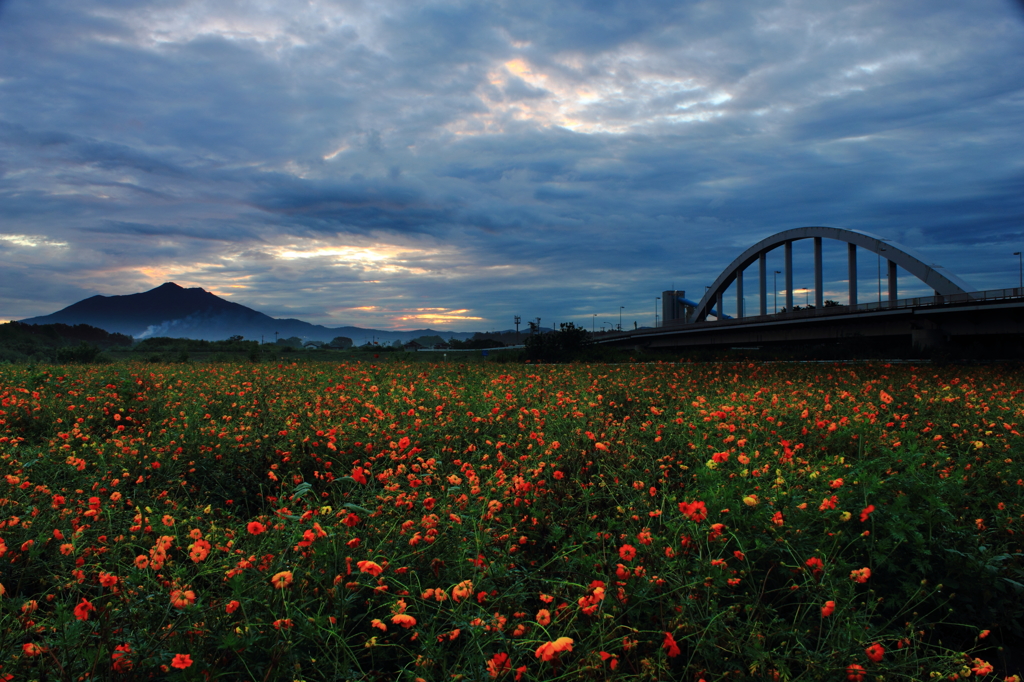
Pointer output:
874, 306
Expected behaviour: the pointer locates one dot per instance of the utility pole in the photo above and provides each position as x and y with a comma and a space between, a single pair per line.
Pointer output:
538, 325
1020, 264
620, 317
517, 318
593, 324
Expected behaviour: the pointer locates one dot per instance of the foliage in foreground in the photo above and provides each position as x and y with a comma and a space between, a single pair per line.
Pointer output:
415, 521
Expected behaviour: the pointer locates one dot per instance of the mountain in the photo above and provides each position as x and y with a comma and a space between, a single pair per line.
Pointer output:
171, 310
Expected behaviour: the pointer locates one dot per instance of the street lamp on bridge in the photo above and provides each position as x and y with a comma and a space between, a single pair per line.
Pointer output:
1020, 264
620, 317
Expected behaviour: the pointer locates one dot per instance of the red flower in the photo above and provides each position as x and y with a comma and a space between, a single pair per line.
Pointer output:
255, 528
232, 606
875, 652
866, 512
627, 552
498, 665
83, 609
697, 511
181, 661
828, 609
669, 644
855, 673
120, 657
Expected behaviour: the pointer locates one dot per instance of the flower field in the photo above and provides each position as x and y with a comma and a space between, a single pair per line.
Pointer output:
478, 522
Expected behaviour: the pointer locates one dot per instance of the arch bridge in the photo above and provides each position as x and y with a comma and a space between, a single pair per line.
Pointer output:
940, 280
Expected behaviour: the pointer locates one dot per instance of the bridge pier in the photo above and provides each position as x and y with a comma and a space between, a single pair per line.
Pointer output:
739, 293
891, 274
762, 272
851, 271
818, 293
789, 274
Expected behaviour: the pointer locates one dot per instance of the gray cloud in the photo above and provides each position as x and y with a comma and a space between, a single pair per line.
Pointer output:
353, 162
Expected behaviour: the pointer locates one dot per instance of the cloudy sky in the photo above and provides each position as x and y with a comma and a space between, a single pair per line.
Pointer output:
398, 165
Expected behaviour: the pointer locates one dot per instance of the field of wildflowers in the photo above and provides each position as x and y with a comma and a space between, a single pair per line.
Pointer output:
477, 522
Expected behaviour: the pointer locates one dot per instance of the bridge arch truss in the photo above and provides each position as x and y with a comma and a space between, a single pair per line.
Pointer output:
938, 278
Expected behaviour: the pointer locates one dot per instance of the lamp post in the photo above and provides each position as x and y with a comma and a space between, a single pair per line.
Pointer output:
775, 287
807, 296
657, 300
1020, 264
620, 317
593, 324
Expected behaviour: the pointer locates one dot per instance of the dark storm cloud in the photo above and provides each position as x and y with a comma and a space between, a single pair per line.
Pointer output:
529, 158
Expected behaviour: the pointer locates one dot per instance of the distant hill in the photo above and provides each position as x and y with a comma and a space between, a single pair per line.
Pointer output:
176, 312
60, 342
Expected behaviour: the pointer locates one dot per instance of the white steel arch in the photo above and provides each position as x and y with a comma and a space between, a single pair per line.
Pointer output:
942, 281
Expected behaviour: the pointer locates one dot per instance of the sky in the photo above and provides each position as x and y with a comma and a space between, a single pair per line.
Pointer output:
397, 165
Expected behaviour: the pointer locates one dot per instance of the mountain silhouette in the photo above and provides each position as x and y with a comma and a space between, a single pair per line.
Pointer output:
173, 311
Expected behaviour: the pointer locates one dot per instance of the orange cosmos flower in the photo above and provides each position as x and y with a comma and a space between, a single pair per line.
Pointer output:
141, 561
828, 609
866, 512
182, 598
627, 552
885, 397
181, 661
232, 606
548, 651
462, 591
107, 579
403, 619
255, 528
32, 649
167, 520
371, 567
83, 609
282, 580
981, 668
875, 652
199, 550
544, 617
860, 575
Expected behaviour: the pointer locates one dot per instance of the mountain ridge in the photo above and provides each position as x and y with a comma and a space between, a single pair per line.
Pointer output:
174, 311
